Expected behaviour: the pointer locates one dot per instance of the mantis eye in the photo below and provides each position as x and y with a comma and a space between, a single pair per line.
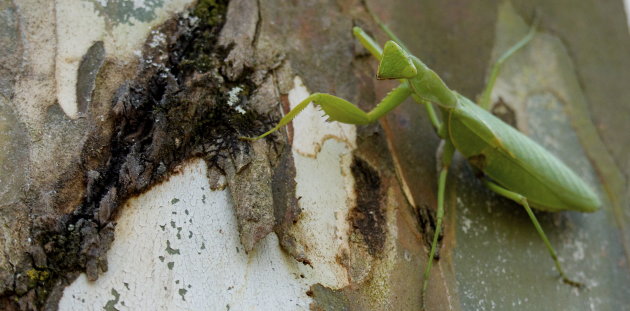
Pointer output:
395, 63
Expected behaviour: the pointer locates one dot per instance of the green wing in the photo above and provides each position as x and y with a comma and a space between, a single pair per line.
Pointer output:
517, 162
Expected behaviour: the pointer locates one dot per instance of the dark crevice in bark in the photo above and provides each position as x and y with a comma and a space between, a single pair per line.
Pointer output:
368, 217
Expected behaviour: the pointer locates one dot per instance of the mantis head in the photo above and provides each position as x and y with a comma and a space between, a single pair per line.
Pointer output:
395, 63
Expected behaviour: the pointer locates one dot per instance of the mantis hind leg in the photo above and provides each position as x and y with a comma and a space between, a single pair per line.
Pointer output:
523, 201
484, 98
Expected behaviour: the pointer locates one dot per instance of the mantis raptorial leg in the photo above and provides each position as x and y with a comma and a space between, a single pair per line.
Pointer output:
344, 111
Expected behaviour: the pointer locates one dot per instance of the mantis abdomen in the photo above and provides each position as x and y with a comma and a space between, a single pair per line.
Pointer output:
516, 162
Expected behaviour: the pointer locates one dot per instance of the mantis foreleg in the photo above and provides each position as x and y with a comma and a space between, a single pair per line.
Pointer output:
341, 110
367, 42
523, 201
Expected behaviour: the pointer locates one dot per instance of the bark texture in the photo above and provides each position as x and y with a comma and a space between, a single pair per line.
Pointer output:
92, 123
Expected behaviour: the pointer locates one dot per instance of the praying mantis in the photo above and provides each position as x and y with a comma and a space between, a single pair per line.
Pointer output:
512, 165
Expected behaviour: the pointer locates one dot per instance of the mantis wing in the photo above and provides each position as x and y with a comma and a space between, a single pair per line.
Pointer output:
527, 168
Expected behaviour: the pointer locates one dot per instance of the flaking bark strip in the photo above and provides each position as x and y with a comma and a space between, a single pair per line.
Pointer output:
253, 199
286, 208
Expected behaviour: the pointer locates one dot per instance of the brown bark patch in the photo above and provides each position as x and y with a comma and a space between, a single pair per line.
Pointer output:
368, 216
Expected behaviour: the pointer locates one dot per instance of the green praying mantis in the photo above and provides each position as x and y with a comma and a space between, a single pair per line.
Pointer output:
513, 165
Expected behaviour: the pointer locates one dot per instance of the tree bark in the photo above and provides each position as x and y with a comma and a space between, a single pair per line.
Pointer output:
125, 184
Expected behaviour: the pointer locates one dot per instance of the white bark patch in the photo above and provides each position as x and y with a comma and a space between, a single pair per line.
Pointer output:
323, 155
177, 247
79, 25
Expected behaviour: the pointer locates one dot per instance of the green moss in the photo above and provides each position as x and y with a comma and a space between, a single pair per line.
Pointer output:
211, 12
37, 275
211, 15
32, 274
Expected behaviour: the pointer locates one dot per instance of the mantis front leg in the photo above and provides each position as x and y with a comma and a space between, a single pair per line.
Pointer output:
341, 110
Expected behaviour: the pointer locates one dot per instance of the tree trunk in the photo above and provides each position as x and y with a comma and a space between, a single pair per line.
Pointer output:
125, 184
